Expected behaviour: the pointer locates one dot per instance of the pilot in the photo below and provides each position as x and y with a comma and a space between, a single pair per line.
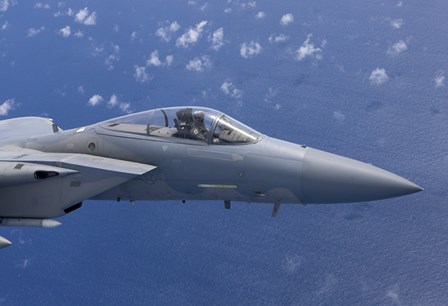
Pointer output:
198, 130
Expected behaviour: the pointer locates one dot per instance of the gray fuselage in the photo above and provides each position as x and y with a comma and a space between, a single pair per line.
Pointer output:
266, 171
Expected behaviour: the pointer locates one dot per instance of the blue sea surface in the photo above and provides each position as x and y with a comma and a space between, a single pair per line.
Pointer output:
363, 79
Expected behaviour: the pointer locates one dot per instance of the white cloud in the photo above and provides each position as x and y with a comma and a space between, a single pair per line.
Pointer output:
394, 296
95, 100
250, 49
194, 3
91, 20
133, 36
307, 49
24, 264
229, 89
7, 106
4, 26
217, 39
272, 93
174, 27
40, 5
141, 75
65, 31
70, 12
396, 23
79, 34
260, 15
291, 263
113, 101
251, 4
169, 60
278, 38
34, 31
287, 19
239, 5
397, 48
439, 79
199, 64
165, 33
154, 59
378, 76
4, 5
83, 17
113, 57
338, 115
123, 106
98, 49
81, 90
192, 35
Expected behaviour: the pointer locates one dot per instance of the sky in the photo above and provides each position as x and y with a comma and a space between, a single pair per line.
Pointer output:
366, 80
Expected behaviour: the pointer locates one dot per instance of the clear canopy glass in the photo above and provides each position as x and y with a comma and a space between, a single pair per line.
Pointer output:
192, 123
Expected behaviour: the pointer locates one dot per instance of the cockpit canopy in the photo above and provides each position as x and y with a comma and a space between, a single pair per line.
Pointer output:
193, 123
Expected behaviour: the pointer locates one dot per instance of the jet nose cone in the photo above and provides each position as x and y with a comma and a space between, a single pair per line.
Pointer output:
330, 178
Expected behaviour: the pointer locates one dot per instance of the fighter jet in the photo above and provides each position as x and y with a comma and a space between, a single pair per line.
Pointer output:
178, 153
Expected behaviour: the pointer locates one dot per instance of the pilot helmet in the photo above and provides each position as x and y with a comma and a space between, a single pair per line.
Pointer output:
198, 116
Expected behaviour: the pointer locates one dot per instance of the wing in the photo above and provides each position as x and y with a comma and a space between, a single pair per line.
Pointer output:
35, 184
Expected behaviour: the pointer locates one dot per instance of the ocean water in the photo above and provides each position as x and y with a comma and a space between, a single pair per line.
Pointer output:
361, 79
